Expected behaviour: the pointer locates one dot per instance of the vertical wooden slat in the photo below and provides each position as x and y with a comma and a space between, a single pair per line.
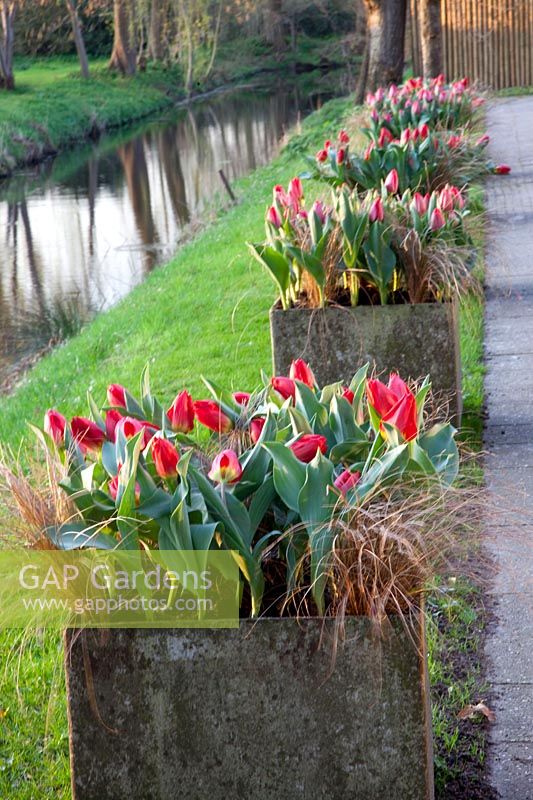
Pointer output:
455, 43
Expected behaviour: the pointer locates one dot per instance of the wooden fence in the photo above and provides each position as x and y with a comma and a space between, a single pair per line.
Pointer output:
491, 41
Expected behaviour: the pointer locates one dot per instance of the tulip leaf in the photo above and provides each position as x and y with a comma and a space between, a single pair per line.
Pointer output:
288, 473
77, 536
440, 446
225, 400
95, 412
261, 502
382, 471
203, 535
341, 419
314, 501
309, 262
349, 450
276, 264
299, 422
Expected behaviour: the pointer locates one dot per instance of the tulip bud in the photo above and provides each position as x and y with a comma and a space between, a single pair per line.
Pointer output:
322, 156
113, 488
483, 140
376, 213
343, 137
341, 155
274, 217
437, 220
446, 200
226, 468
130, 427
502, 169
181, 413
256, 428
307, 446
86, 433
296, 191
320, 210
327, 144
348, 394
112, 418
165, 457
210, 414
368, 151
347, 480
420, 203
242, 398
405, 136
116, 395
454, 141
392, 182
285, 387
385, 137
301, 371
279, 195
404, 417
423, 130
54, 425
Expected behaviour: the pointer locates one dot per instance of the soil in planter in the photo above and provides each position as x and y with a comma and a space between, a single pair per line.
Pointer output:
368, 296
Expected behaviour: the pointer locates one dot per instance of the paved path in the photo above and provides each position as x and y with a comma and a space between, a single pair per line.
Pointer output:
509, 438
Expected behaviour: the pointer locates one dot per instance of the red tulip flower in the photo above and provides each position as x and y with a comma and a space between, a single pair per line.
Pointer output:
113, 488
54, 425
116, 395
226, 468
446, 199
348, 394
87, 433
242, 398
502, 169
483, 140
256, 428
343, 137
112, 418
301, 371
165, 457
383, 398
437, 220
296, 191
274, 217
285, 387
307, 446
181, 413
385, 137
322, 156
421, 203
341, 155
404, 417
392, 182
423, 130
376, 213
210, 414
130, 427
347, 480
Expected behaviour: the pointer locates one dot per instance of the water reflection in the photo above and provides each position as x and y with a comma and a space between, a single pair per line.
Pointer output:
92, 223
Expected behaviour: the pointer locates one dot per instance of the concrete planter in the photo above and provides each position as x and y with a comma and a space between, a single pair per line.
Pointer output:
255, 713
415, 340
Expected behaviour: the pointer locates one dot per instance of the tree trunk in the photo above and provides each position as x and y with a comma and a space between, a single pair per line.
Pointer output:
431, 36
7, 43
78, 38
274, 25
155, 45
386, 41
123, 57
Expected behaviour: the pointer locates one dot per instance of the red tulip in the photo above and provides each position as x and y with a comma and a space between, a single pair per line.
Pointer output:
404, 417
112, 418
341, 155
274, 217
165, 457
130, 427
348, 394
423, 130
343, 137
86, 433
437, 220
392, 182
242, 398
454, 141
256, 428
446, 199
226, 468
181, 413
420, 202
483, 140
327, 144
54, 425
113, 487
502, 169
405, 136
320, 210
347, 480
301, 371
116, 395
385, 137
368, 151
383, 398
284, 386
376, 213
296, 191
322, 156
210, 414
306, 447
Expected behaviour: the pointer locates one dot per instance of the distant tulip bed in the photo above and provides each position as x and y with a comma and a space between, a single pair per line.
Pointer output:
395, 229
282, 482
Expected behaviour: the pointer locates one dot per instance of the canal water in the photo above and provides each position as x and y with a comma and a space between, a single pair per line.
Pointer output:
77, 233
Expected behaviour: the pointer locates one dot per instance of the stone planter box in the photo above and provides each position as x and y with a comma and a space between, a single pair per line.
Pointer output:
249, 714
414, 340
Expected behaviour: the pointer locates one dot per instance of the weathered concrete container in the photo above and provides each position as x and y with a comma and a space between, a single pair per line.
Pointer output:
415, 340
249, 714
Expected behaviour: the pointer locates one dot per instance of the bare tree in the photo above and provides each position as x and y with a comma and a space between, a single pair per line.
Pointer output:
124, 56
386, 41
155, 43
78, 37
274, 25
431, 37
7, 42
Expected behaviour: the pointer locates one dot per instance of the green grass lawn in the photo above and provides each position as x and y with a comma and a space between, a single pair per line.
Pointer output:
205, 312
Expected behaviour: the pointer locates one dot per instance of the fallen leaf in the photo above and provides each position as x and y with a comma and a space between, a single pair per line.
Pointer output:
480, 708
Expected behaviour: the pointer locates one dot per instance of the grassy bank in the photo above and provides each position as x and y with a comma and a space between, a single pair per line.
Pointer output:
206, 311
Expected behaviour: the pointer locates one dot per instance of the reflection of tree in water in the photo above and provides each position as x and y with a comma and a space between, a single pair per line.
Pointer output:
170, 158
133, 160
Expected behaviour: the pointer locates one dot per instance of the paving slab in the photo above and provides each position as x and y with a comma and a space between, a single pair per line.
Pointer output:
509, 440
